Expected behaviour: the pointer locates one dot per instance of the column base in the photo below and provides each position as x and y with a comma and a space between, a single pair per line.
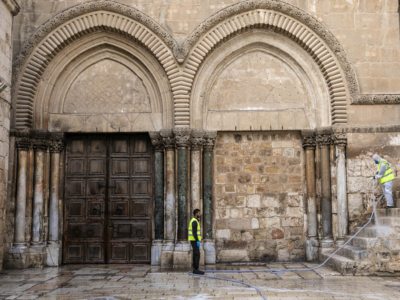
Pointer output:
326, 243
339, 241
312, 249
182, 255
25, 257
167, 254
53, 251
156, 251
209, 252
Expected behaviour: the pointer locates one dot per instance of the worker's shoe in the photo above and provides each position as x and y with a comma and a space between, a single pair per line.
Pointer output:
388, 206
198, 272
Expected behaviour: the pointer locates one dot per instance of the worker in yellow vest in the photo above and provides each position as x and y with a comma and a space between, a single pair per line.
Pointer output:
195, 239
385, 176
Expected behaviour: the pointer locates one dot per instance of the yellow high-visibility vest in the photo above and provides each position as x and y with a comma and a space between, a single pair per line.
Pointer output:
388, 176
191, 236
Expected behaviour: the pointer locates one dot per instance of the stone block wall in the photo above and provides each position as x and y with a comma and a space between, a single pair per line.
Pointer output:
7, 10
361, 168
258, 192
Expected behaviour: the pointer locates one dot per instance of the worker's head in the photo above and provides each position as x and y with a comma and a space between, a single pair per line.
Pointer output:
376, 158
197, 213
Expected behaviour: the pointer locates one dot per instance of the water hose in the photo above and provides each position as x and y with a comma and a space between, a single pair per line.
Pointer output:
281, 271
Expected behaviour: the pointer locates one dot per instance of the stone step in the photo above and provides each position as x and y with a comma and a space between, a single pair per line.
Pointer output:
339, 263
377, 231
392, 212
353, 252
387, 221
363, 242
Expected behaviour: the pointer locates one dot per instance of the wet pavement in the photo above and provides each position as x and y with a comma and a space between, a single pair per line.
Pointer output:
112, 282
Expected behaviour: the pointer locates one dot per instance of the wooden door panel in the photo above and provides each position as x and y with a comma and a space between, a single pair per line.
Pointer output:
108, 199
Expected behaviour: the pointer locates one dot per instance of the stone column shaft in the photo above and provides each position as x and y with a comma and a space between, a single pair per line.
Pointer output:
209, 140
20, 208
182, 136
324, 141
54, 196
343, 213
37, 221
169, 143
195, 167
159, 194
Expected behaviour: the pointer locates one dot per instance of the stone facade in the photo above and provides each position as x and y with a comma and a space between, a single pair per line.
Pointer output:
259, 190
293, 94
8, 9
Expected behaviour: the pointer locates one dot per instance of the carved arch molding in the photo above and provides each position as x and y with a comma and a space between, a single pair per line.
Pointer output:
181, 64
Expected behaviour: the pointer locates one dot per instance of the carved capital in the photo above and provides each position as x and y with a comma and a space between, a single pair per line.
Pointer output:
340, 139
309, 138
56, 142
324, 136
23, 143
182, 136
156, 141
197, 139
209, 140
168, 138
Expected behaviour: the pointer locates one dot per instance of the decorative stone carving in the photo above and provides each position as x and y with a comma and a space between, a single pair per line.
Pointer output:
23, 143
156, 141
309, 139
209, 140
40, 140
197, 139
57, 142
182, 136
324, 136
168, 138
340, 139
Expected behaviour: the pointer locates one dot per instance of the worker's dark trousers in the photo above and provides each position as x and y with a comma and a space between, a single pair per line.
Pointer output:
196, 255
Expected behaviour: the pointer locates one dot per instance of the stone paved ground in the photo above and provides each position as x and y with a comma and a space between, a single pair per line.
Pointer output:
143, 282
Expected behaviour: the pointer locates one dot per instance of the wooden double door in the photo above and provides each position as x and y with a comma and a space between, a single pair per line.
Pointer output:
108, 196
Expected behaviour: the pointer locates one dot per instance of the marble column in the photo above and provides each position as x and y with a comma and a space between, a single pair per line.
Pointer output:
156, 248
40, 147
182, 136
341, 177
312, 220
168, 139
20, 206
209, 242
54, 245
324, 141
195, 169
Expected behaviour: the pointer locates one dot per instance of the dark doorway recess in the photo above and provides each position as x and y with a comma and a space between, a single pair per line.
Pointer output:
108, 197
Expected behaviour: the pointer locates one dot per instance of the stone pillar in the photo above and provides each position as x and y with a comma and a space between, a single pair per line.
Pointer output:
195, 169
312, 220
40, 147
182, 257
324, 141
169, 242
209, 242
342, 209
20, 207
156, 248
54, 245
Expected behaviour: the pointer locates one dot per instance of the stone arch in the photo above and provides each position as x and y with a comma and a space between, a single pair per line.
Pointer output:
72, 24
286, 20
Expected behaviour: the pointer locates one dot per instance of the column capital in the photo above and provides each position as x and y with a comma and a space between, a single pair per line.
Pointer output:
209, 140
324, 136
40, 140
23, 143
340, 139
309, 138
56, 142
197, 139
156, 141
168, 138
182, 136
